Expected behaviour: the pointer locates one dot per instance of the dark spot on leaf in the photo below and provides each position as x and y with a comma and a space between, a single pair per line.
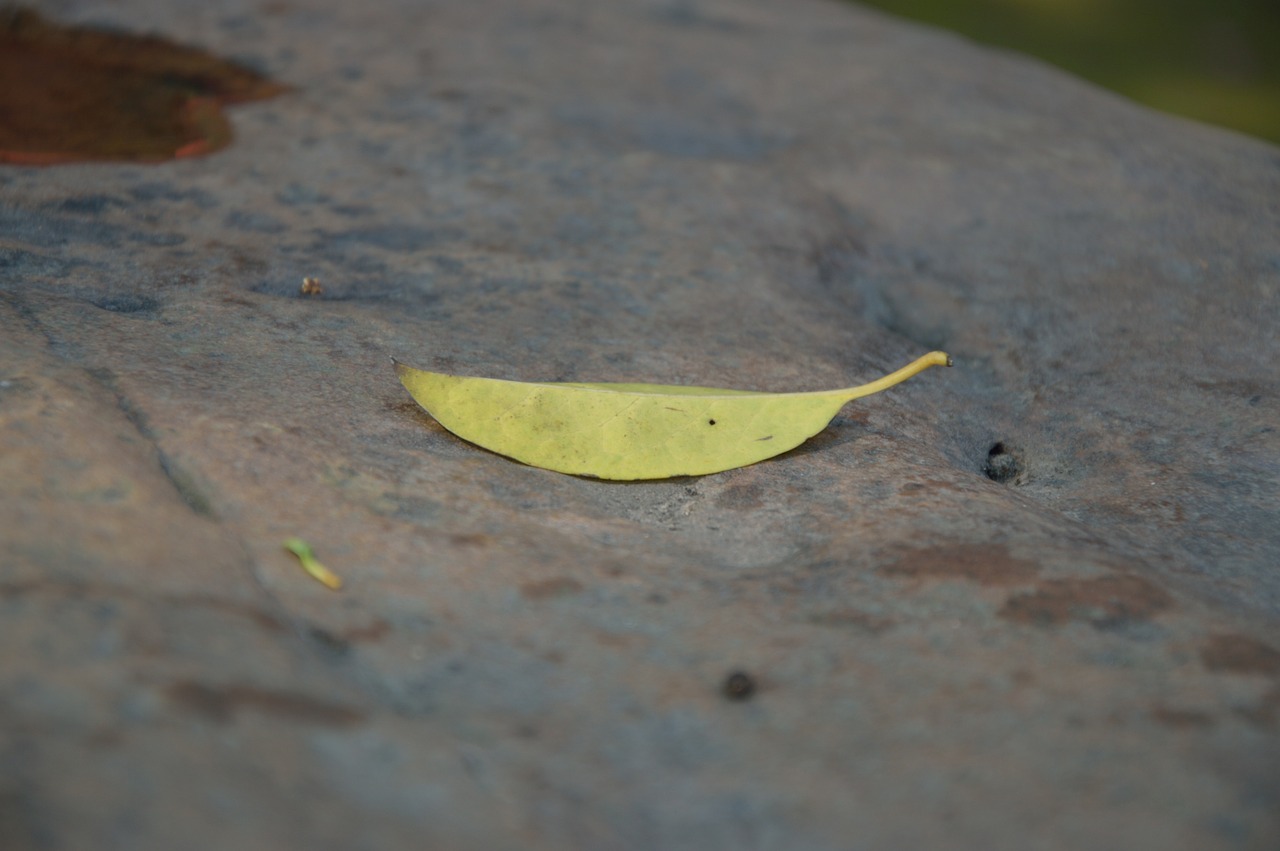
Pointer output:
711, 422
766, 437
1103, 601
75, 94
1002, 465
1240, 654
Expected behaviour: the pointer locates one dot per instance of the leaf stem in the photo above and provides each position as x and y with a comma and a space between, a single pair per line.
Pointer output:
916, 367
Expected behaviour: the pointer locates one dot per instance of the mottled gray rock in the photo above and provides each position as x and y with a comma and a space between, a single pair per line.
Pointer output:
1033, 601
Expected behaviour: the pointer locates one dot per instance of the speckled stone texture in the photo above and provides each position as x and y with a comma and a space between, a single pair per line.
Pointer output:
1029, 602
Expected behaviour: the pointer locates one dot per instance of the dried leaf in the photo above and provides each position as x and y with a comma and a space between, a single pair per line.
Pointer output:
633, 431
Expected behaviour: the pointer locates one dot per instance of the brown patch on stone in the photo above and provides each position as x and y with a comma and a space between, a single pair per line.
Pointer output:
931, 486
986, 564
223, 703
74, 94
375, 630
556, 586
1181, 719
475, 539
852, 619
741, 497
1102, 601
1240, 654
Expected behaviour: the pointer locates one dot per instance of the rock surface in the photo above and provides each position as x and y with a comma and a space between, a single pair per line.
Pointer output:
1033, 601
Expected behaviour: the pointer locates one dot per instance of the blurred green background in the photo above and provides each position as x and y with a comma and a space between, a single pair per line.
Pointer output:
1213, 60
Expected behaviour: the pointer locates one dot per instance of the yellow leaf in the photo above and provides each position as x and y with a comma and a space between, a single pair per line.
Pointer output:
633, 431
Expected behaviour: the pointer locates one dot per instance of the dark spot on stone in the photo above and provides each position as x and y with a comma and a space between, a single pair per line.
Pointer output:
742, 497
352, 211
990, 565
738, 686
543, 589
1103, 601
221, 704
76, 94
254, 222
474, 539
1240, 654
331, 644
298, 195
88, 205
1181, 719
127, 303
1002, 464
853, 619
29, 264
1255, 399
160, 240
407, 507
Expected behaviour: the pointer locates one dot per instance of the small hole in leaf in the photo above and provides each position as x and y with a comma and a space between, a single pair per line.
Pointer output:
1001, 465
711, 422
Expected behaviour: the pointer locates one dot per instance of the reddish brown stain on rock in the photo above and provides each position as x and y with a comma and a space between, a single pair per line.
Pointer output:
374, 631
986, 564
1181, 719
557, 586
71, 94
1102, 601
1240, 654
222, 703
472, 539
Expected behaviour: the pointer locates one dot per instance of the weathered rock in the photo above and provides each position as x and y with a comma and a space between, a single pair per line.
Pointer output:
780, 196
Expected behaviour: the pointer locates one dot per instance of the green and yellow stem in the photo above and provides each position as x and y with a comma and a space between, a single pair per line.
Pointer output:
914, 368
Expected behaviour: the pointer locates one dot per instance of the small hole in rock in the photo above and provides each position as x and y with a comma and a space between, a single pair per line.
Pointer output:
739, 686
1001, 464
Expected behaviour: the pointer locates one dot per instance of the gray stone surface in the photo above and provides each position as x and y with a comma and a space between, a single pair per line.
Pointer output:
800, 195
